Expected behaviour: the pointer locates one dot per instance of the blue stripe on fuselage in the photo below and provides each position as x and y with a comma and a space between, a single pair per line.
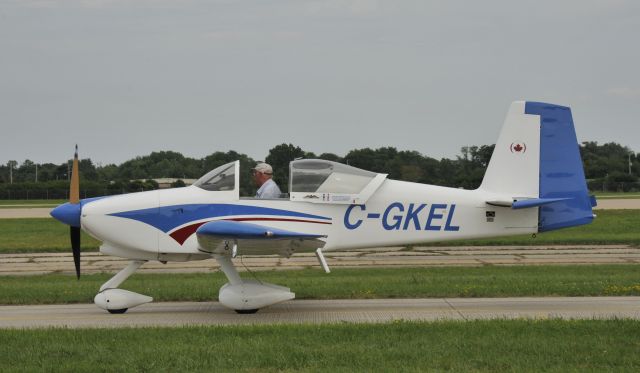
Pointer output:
167, 218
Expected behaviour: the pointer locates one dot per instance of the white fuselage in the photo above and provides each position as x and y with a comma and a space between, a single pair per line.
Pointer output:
160, 225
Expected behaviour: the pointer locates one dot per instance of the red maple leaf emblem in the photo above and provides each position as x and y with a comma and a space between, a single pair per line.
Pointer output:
518, 147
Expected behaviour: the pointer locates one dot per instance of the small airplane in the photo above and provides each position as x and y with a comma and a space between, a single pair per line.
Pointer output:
534, 183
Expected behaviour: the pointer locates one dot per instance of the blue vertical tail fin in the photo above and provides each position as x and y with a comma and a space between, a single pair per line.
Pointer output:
561, 170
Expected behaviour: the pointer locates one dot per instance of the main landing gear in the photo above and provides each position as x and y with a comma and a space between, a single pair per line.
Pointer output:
248, 296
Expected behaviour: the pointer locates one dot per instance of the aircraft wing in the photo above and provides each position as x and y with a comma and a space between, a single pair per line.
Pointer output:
221, 235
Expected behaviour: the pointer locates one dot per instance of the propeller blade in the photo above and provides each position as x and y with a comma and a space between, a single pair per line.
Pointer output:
75, 247
74, 198
74, 189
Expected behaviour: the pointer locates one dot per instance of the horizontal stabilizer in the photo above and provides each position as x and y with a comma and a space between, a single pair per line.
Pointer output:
516, 204
535, 202
500, 203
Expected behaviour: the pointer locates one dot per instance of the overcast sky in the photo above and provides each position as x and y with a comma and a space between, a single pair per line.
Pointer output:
124, 78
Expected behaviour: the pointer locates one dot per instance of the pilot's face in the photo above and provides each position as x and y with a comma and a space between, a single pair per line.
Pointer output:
259, 178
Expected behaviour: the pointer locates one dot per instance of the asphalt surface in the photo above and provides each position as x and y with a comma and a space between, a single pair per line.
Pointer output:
43, 212
325, 311
44, 263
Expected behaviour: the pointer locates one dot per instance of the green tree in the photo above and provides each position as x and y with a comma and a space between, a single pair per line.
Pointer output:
87, 170
471, 165
160, 164
26, 172
47, 172
406, 165
607, 159
376, 160
107, 173
330, 157
178, 184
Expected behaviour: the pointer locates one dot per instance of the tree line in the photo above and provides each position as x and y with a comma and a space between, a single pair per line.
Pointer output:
606, 166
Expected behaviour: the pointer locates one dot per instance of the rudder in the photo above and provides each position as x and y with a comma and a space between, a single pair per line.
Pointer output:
561, 170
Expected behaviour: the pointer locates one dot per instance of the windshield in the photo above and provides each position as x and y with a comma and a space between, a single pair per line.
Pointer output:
220, 179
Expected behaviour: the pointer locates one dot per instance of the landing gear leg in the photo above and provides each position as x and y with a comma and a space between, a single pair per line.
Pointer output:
116, 300
248, 296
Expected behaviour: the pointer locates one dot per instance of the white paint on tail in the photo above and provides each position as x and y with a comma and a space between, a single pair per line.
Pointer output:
514, 169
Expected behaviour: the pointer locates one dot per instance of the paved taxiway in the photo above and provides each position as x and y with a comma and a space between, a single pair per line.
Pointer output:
322, 311
43, 263
24, 212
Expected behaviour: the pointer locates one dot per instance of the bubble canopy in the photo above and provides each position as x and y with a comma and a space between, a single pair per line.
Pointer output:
318, 180
310, 180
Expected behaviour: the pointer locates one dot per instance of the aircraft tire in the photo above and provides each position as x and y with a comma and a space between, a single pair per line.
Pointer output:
121, 310
247, 312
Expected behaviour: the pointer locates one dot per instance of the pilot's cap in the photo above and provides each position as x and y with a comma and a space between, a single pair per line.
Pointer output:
265, 168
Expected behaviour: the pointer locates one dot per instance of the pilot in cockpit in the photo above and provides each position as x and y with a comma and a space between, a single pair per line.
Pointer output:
263, 178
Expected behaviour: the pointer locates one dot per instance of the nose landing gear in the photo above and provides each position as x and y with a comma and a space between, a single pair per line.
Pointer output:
117, 301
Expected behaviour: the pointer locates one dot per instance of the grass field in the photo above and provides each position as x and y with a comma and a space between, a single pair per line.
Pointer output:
617, 195
611, 227
497, 346
342, 283
38, 235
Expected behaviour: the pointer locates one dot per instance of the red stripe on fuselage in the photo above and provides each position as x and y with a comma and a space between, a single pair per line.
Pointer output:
279, 219
182, 234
